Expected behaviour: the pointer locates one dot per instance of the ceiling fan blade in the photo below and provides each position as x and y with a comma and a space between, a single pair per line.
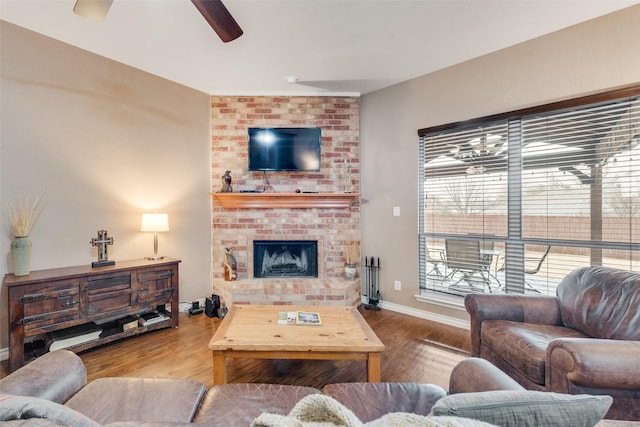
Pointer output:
219, 18
92, 9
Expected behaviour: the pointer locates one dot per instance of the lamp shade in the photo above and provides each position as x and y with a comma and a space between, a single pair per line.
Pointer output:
155, 222
92, 9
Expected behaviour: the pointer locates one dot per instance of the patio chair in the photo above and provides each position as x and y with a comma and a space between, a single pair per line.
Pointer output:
464, 257
433, 264
536, 269
486, 254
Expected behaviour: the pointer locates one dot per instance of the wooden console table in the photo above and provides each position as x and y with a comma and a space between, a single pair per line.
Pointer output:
286, 200
50, 300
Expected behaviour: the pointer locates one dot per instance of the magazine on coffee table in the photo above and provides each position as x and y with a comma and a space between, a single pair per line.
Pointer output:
299, 318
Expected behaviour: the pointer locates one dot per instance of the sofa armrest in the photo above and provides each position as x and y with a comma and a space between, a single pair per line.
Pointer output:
593, 363
55, 376
475, 375
540, 309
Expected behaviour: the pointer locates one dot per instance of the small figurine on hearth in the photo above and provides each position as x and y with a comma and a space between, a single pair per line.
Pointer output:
230, 265
226, 183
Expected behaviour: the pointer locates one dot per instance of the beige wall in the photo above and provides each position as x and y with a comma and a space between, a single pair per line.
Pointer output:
591, 57
107, 142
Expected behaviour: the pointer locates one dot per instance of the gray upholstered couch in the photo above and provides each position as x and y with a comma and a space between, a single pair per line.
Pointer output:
39, 388
585, 340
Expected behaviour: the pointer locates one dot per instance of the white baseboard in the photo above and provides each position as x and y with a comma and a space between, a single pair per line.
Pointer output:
422, 314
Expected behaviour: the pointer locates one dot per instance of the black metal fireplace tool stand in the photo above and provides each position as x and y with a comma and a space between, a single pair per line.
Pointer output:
371, 282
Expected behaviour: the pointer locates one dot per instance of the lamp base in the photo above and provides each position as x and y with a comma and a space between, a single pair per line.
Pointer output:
154, 258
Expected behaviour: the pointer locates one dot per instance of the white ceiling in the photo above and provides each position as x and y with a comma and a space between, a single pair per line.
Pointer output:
335, 47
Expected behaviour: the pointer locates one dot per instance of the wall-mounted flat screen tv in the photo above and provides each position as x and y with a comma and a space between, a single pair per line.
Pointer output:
284, 149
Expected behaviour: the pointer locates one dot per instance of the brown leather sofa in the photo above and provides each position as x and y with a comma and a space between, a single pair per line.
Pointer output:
60, 377
585, 340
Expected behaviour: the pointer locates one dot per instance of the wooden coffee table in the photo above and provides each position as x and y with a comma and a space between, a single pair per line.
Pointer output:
253, 332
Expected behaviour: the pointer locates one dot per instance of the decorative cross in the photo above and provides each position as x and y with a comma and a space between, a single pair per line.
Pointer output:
102, 241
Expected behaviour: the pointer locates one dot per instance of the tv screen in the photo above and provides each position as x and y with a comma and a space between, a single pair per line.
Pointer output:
284, 149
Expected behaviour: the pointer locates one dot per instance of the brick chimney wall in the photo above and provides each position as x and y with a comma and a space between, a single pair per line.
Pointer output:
339, 119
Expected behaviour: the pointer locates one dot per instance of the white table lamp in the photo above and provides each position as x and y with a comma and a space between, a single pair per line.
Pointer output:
155, 223
92, 9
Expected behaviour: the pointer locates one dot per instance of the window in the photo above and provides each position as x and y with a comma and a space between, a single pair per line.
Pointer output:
514, 202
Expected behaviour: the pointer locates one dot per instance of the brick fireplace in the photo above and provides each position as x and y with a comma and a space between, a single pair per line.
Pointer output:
333, 228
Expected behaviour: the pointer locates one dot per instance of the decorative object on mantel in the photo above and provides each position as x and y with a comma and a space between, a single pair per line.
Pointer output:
266, 186
102, 241
348, 187
371, 283
22, 218
230, 265
155, 223
350, 271
226, 183
352, 253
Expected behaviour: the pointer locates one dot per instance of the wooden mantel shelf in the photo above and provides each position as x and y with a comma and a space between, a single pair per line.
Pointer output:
286, 200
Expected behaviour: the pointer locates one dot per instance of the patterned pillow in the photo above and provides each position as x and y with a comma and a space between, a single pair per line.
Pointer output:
509, 408
24, 407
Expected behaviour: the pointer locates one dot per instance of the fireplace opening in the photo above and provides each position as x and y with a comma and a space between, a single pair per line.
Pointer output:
285, 258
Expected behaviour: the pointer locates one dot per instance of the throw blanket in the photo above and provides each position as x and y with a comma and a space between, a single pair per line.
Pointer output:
317, 410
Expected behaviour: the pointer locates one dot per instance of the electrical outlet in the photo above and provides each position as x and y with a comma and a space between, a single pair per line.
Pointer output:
397, 285
396, 211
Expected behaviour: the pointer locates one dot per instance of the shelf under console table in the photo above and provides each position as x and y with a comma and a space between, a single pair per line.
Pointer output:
286, 200
51, 300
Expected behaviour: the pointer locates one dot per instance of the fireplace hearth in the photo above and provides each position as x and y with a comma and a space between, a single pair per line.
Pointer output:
285, 258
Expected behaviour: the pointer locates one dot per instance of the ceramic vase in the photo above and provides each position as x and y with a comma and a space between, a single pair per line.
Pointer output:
350, 271
21, 254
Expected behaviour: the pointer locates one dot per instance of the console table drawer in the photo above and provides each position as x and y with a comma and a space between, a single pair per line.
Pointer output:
49, 303
108, 294
155, 276
154, 286
154, 296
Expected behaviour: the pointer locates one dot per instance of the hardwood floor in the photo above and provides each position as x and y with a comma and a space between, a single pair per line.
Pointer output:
410, 355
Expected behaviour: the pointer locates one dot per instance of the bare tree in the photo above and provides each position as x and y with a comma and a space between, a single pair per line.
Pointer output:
463, 195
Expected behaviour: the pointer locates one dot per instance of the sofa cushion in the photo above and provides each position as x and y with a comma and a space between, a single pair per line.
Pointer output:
320, 410
526, 408
24, 408
601, 302
238, 404
370, 401
108, 400
523, 346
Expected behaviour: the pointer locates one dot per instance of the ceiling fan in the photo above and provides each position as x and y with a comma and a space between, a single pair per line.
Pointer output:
213, 11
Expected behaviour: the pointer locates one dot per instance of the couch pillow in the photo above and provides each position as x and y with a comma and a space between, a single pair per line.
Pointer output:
515, 408
24, 407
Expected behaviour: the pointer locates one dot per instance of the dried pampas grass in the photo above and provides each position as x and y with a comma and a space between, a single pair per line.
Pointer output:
23, 215
352, 251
